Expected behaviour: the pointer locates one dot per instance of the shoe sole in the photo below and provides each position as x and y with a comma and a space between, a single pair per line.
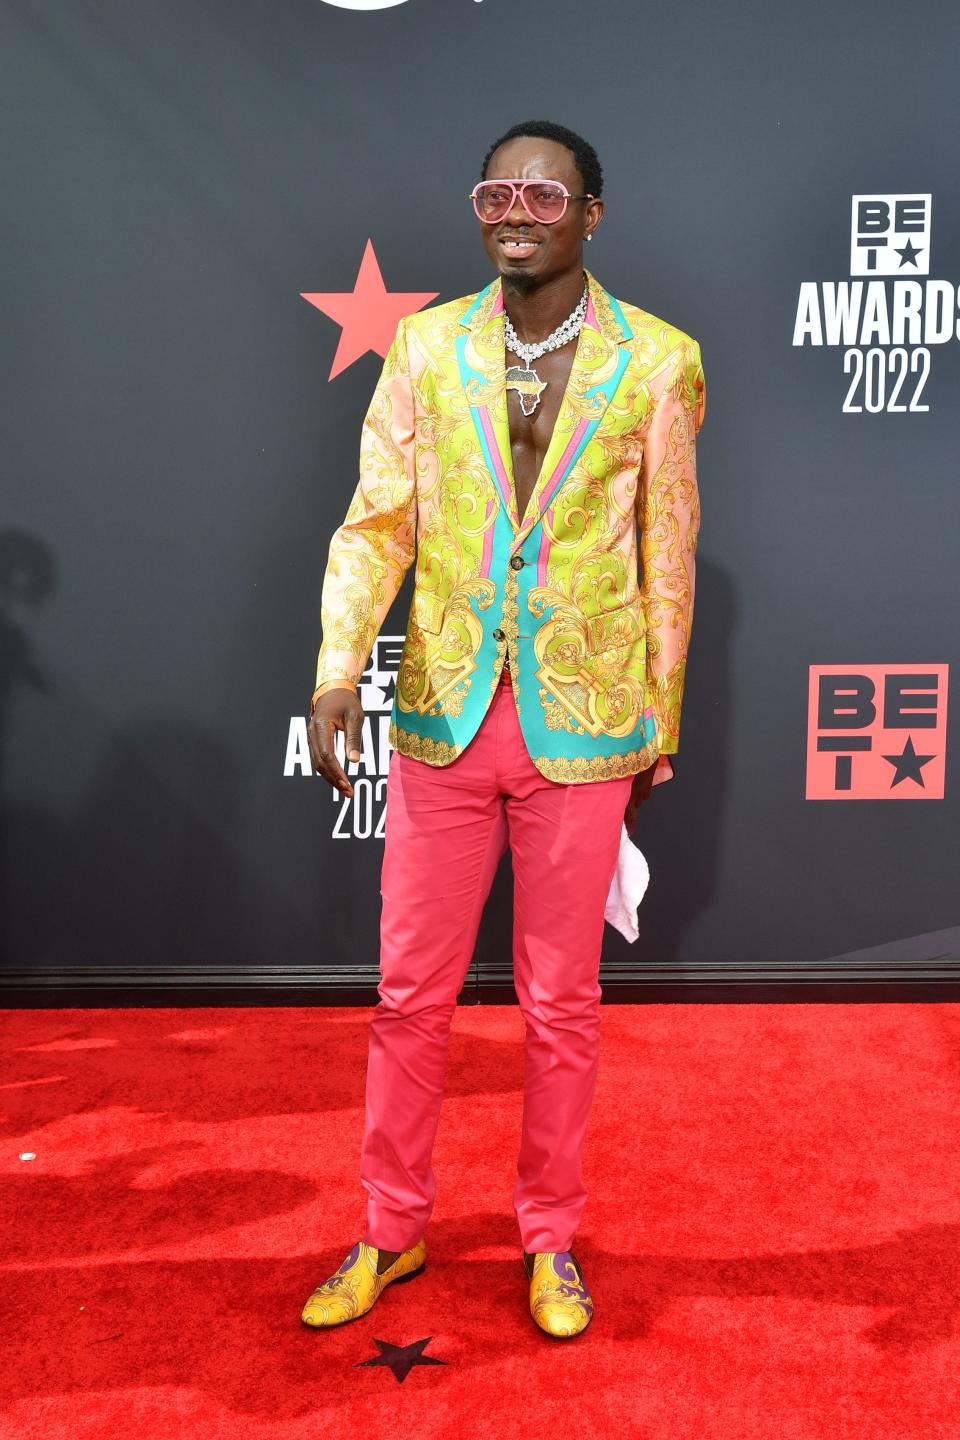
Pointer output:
400, 1280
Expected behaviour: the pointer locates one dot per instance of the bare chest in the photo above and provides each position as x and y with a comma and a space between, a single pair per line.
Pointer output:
530, 435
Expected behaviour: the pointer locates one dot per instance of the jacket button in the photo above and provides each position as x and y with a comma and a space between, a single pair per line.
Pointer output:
516, 562
498, 635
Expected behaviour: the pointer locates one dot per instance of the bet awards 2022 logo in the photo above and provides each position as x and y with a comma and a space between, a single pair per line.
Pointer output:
876, 732
362, 815
885, 318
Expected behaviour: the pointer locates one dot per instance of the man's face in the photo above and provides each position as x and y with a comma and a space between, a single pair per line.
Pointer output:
558, 248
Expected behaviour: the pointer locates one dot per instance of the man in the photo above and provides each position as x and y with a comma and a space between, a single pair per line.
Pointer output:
516, 442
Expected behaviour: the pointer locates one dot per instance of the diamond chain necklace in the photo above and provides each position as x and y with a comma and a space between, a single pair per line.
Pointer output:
524, 379
570, 327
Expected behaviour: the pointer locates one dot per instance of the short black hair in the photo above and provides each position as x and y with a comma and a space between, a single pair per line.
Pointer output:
585, 157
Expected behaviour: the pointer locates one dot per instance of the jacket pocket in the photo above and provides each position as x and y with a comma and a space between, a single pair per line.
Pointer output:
614, 628
427, 611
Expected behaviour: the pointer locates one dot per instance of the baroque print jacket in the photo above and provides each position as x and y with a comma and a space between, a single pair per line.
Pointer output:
597, 643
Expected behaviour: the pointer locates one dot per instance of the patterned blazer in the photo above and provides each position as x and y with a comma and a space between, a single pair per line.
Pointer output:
597, 646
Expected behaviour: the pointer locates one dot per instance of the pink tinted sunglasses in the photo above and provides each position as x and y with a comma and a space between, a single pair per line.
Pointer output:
544, 200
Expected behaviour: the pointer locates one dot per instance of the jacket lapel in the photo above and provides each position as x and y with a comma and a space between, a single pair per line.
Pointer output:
601, 357
480, 358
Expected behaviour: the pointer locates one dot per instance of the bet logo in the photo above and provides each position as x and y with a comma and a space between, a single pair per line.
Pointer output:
890, 235
890, 314
876, 732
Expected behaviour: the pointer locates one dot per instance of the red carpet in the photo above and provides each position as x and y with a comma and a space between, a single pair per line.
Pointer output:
771, 1237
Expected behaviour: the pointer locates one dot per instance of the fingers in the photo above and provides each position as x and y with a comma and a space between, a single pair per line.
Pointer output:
320, 734
353, 733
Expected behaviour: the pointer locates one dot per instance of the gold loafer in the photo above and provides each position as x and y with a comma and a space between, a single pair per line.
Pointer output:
356, 1287
560, 1302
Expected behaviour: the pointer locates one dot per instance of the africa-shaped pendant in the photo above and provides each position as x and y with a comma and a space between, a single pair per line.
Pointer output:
528, 385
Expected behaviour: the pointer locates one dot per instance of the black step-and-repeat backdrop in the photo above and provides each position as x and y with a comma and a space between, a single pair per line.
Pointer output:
214, 214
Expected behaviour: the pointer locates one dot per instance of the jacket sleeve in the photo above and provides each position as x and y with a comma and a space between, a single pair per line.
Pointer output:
669, 516
372, 550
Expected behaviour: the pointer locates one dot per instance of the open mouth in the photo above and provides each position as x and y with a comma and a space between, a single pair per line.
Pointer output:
518, 245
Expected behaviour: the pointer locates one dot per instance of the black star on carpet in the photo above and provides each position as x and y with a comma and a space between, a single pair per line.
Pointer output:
909, 252
908, 764
401, 1358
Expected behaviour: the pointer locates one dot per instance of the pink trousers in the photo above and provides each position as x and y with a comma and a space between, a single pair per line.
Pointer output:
446, 828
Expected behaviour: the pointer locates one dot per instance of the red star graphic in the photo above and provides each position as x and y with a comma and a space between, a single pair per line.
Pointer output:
368, 314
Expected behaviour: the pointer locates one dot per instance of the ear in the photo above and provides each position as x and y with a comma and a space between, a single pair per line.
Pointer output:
594, 214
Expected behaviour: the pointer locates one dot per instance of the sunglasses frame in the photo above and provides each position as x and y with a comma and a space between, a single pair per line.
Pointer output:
518, 187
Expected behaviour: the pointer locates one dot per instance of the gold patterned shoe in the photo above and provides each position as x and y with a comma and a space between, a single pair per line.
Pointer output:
356, 1287
560, 1302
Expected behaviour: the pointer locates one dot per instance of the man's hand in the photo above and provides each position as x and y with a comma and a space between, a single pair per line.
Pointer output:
642, 785
335, 710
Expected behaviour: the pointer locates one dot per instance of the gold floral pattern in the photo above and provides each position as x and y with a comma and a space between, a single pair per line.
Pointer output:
578, 769
560, 1302
422, 747
595, 615
555, 717
356, 1286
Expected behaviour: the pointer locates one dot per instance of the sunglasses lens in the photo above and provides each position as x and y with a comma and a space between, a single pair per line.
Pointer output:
544, 201
493, 201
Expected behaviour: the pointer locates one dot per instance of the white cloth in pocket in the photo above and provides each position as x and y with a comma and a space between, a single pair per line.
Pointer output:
630, 881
